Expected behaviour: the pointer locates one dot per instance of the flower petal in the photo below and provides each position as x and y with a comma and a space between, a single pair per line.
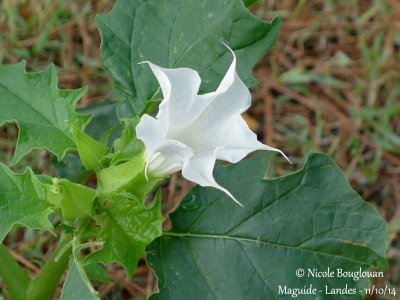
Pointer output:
235, 139
151, 132
231, 98
169, 157
179, 87
199, 169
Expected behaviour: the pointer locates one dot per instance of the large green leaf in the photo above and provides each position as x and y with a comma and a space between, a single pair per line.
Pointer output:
77, 284
22, 202
179, 33
40, 109
127, 228
309, 219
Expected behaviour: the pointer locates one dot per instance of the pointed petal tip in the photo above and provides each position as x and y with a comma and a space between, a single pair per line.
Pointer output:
240, 204
284, 155
230, 50
231, 196
226, 45
266, 147
236, 201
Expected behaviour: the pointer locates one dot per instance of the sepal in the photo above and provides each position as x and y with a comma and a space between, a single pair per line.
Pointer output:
90, 151
128, 145
73, 199
127, 177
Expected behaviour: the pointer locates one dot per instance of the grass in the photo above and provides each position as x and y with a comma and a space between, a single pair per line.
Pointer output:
331, 84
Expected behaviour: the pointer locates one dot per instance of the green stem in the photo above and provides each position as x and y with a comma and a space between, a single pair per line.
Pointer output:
43, 286
14, 277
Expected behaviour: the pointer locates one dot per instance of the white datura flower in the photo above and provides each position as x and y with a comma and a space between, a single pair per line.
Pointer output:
191, 131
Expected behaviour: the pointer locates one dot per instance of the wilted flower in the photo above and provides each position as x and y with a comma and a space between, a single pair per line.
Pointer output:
191, 131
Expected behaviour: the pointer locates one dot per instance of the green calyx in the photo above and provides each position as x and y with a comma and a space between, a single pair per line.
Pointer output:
127, 177
90, 151
73, 199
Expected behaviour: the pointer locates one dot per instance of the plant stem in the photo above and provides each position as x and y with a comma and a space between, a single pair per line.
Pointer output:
14, 277
43, 286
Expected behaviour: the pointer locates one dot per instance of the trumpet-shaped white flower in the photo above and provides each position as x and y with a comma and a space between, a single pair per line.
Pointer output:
191, 131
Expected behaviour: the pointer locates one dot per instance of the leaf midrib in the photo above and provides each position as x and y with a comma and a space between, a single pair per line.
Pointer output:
256, 241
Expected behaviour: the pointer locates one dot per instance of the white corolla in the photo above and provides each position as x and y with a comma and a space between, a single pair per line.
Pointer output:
191, 131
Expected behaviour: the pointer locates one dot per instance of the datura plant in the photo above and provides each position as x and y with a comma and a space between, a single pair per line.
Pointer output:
181, 72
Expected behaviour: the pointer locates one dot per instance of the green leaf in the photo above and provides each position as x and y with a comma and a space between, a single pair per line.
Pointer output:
22, 202
248, 3
97, 272
77, 284
309, 219
178, 33
40, 109
127, 228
